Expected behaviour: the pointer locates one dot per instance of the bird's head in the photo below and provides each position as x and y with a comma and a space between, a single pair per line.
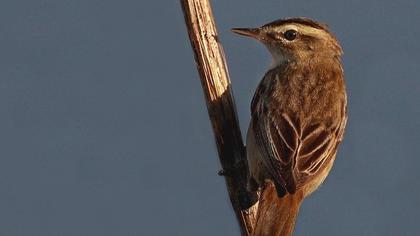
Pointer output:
295, 39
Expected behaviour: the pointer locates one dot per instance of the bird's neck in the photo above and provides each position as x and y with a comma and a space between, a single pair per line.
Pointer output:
311, 59
279, 58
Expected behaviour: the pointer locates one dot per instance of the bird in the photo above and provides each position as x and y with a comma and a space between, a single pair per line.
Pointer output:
298, 112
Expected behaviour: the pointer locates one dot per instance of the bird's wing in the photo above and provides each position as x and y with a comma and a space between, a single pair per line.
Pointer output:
292, 152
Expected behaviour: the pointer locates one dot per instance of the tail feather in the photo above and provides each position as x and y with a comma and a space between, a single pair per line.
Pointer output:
277, 216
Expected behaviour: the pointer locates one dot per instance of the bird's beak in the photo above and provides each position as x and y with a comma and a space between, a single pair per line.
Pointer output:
249, 32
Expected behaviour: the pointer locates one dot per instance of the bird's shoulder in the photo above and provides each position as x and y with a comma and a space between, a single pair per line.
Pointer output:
265, 89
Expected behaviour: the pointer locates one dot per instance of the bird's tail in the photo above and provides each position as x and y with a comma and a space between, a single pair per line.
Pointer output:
277, 216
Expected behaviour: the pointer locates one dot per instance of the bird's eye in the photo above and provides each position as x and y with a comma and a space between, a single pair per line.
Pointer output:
290, 35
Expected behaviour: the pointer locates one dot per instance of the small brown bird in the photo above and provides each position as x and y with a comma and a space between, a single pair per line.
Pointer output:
298, 112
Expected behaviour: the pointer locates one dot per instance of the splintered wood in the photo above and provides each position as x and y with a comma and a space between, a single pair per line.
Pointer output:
211, 65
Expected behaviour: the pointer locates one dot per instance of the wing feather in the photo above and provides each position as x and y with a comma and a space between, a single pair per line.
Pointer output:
291, 153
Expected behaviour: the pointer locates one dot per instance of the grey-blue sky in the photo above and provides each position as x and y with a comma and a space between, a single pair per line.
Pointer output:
104, 129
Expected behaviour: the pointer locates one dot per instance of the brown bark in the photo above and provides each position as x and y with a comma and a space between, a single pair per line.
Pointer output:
211, 65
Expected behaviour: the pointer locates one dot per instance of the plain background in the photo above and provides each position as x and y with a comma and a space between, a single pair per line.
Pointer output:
104, 130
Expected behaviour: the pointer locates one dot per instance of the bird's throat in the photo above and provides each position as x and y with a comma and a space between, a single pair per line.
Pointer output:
279, 58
